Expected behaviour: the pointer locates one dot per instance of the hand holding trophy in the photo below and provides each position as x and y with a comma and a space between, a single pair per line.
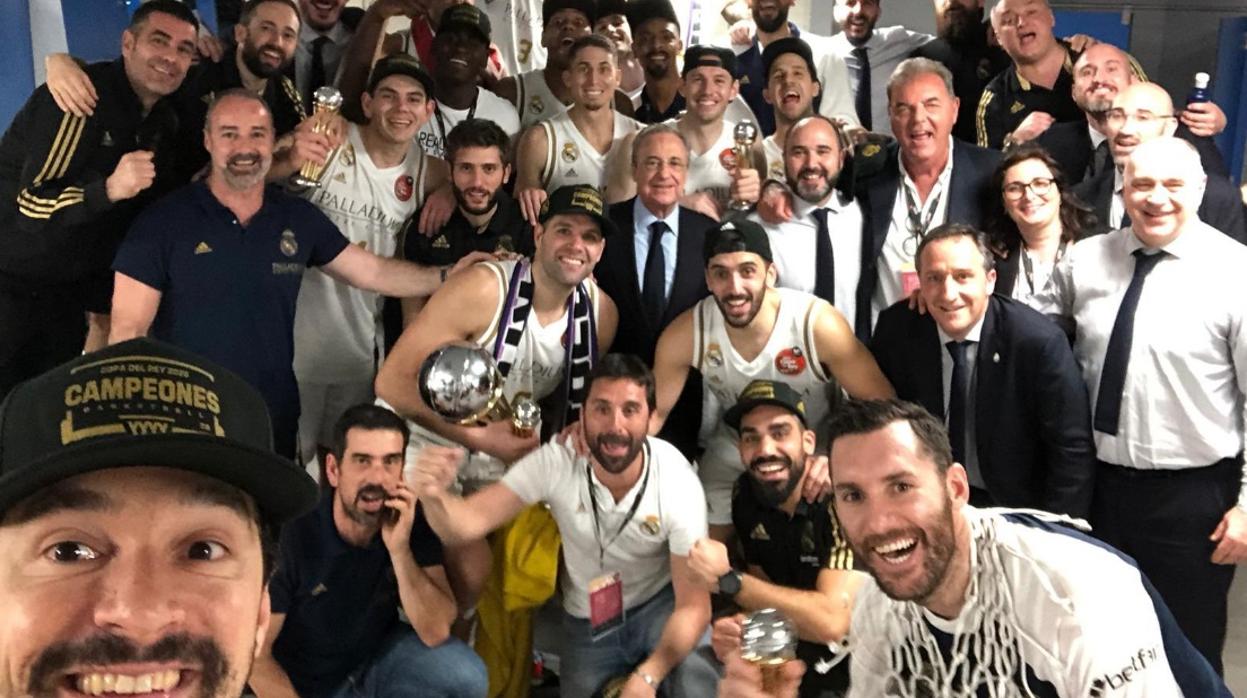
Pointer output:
462, 383
327, 101
769, 640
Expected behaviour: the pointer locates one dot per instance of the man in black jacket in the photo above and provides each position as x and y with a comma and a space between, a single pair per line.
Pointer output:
1002, 376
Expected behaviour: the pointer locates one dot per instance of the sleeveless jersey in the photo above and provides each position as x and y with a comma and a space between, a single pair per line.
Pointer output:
432, 135
534, 99
706, 171
774, 159
337, 331
570, 159
517, 33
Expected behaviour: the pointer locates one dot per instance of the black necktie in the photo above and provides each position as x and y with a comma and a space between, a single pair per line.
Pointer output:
1100, 159
654, 291
861, 100
958, 391
316, 77
1117, 357
824, 259
1125, 217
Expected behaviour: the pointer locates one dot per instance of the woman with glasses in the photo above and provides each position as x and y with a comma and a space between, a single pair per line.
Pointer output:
1033, 222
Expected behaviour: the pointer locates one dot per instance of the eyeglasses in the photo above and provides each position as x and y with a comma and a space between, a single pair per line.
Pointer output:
1039, 186
1119, 117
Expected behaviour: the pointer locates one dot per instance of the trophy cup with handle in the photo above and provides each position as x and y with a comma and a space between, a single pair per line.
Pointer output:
769, 640
462, 383
327, 101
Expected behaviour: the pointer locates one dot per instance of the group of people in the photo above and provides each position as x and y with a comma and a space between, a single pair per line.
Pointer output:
945, 365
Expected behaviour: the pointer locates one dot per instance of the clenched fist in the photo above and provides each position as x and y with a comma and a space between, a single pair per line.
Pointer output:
135, 172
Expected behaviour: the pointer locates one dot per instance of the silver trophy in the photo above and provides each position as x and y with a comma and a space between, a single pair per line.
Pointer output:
462, 383
769, 640
745, 134
326, 101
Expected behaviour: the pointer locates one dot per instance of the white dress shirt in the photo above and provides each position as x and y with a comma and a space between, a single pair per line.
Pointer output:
974, 337
1117, 205
1182, 405
642, 219
885, 49
794, 246
897, 256
339, 37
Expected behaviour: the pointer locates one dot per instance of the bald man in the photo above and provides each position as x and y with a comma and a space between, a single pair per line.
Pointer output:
1162, 342
1100, 74
1140, 113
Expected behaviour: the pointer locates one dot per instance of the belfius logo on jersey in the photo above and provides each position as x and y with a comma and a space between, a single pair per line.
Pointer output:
1109, 684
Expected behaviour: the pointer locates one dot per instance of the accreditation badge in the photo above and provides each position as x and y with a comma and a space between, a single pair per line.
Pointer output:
909, 279
606, 609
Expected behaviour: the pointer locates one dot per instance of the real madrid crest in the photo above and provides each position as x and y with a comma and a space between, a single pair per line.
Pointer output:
650, 525
348, 155
714, 356
288, 245
570, 152
536, 105
871, 150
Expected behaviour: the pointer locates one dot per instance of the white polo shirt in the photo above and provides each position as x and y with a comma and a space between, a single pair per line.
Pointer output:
671, 515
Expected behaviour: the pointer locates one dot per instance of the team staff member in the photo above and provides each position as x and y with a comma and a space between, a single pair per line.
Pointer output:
656, 43
70, 185
797, 561
224, 282
121, 543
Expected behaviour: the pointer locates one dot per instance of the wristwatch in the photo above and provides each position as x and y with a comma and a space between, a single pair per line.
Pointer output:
729, 583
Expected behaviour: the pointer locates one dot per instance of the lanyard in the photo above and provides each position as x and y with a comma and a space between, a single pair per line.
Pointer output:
441, 123
636, 504
919, 219
1028, 267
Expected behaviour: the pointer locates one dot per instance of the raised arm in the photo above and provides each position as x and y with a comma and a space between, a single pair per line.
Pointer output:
457, 520
848, 359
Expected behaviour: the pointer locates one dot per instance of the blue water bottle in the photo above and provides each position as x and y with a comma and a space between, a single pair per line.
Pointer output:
1199, 93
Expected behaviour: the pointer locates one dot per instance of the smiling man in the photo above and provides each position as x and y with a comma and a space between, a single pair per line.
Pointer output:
1000, 374
139, 496
963, 601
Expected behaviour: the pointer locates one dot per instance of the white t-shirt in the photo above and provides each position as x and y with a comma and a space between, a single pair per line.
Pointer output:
1086, 624
337, 328
432, 135
671, 515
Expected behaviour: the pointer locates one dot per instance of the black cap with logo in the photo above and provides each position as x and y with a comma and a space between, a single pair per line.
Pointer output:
788, 44
400, 64
702, 56
146, 403
739, 235
765, 392
578, 198
465, 17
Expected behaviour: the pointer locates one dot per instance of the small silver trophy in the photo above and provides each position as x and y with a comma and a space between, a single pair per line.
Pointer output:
462, 383
745, 134
327, 101
769, 640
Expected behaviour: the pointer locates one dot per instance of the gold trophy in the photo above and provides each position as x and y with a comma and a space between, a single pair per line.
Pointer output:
326, 103
745, 134
769, 640
461, 382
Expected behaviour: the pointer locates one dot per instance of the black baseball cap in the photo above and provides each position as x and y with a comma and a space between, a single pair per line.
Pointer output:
146, 403
740, 235
702, 56
465, 17
400, 64
578, 198
765, 392
788, 44
641, 11
549, 8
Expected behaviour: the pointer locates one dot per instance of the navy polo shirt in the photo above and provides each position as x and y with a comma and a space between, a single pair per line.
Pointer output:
229, 291
340, 601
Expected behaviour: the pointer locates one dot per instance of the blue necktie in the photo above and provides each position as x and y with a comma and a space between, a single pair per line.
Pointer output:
654, 290
958, 391
824, 259
1117, 357
861, 101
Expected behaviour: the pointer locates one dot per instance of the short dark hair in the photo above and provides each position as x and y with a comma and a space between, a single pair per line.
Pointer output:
629, 367
173, 8
248, 9
478, 133
234, 93
865, 416
1077, 218
368, 417
594, 41
948, 231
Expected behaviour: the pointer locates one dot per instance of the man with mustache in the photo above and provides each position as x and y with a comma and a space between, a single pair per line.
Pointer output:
71, 185
1044, 609
749, 329
963, 44
1141, 113
819, 249
345, 571
627, 518
796, 559
225, 280
656, 43
139, 500
375, 182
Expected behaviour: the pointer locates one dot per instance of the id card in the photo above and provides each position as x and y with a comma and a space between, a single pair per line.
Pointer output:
606, 610
909, 280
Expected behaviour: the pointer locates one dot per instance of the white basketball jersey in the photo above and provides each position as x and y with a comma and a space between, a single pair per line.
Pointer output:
517, 33
774, 159
535, 101
570, 159
336, 326
706, 171
432, 135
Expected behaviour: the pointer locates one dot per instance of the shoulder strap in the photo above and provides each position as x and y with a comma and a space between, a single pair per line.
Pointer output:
547, 171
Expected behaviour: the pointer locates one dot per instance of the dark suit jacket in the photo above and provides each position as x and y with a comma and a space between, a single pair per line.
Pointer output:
616, 275
1222, 206
1069, 143
968, 194
1031, 410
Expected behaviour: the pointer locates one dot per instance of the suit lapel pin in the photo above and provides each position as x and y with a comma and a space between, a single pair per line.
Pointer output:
996, 357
